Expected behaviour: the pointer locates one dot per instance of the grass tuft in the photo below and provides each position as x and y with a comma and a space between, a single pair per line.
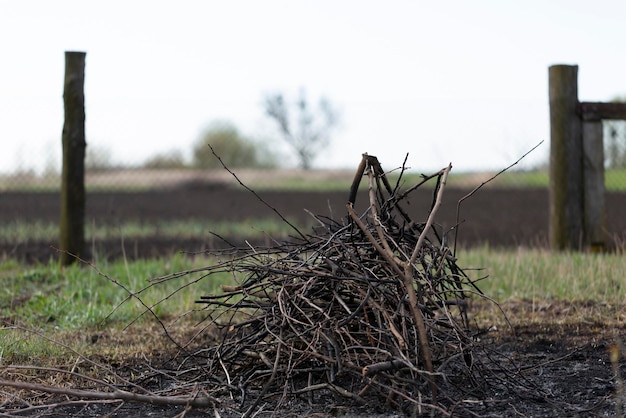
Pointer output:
79, 298
23, 232
544, 275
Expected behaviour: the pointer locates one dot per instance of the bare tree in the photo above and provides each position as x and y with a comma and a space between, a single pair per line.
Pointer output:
308, 132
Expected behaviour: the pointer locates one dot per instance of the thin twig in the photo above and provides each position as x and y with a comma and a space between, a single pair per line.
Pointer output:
131, 295
458, 205
273, 209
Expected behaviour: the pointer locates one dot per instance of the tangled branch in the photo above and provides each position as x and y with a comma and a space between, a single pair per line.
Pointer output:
370, 307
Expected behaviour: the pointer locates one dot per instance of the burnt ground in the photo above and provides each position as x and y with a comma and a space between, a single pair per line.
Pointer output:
553, 362
562, 358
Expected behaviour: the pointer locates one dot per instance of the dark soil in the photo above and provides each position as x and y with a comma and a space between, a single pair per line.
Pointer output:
497, 217
556, 366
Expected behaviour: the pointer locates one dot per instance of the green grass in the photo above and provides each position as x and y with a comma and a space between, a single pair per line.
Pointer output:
614, 179
69, 304
23, 232
83, 299
523, 179
543, 275
78, 296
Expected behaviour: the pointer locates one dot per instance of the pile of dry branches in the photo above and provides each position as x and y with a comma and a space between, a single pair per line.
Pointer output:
371, 308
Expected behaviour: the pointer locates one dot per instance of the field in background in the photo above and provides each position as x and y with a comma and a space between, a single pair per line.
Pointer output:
285, 180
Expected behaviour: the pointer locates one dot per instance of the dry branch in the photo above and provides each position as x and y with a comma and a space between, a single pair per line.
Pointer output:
121, 395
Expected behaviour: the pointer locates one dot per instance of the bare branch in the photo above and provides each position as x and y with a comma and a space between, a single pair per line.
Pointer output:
122, 395
458, 206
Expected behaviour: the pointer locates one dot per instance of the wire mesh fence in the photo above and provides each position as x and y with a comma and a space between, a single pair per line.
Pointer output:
40, 170
111, 169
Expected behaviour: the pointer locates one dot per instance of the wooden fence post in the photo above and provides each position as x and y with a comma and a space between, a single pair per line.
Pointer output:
72, 229
566, 172
593, 175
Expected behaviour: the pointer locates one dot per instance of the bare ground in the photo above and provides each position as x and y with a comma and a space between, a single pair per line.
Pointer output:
554, 356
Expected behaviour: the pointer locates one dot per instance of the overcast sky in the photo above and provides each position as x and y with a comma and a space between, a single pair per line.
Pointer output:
445, 81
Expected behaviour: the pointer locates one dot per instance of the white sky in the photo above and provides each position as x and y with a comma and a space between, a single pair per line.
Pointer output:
446, 81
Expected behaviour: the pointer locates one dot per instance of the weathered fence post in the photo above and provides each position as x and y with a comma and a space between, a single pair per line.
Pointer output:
72, 233
566, 167
593, 174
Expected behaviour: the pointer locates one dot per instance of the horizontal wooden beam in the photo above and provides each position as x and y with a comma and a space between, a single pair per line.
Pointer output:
590, 111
